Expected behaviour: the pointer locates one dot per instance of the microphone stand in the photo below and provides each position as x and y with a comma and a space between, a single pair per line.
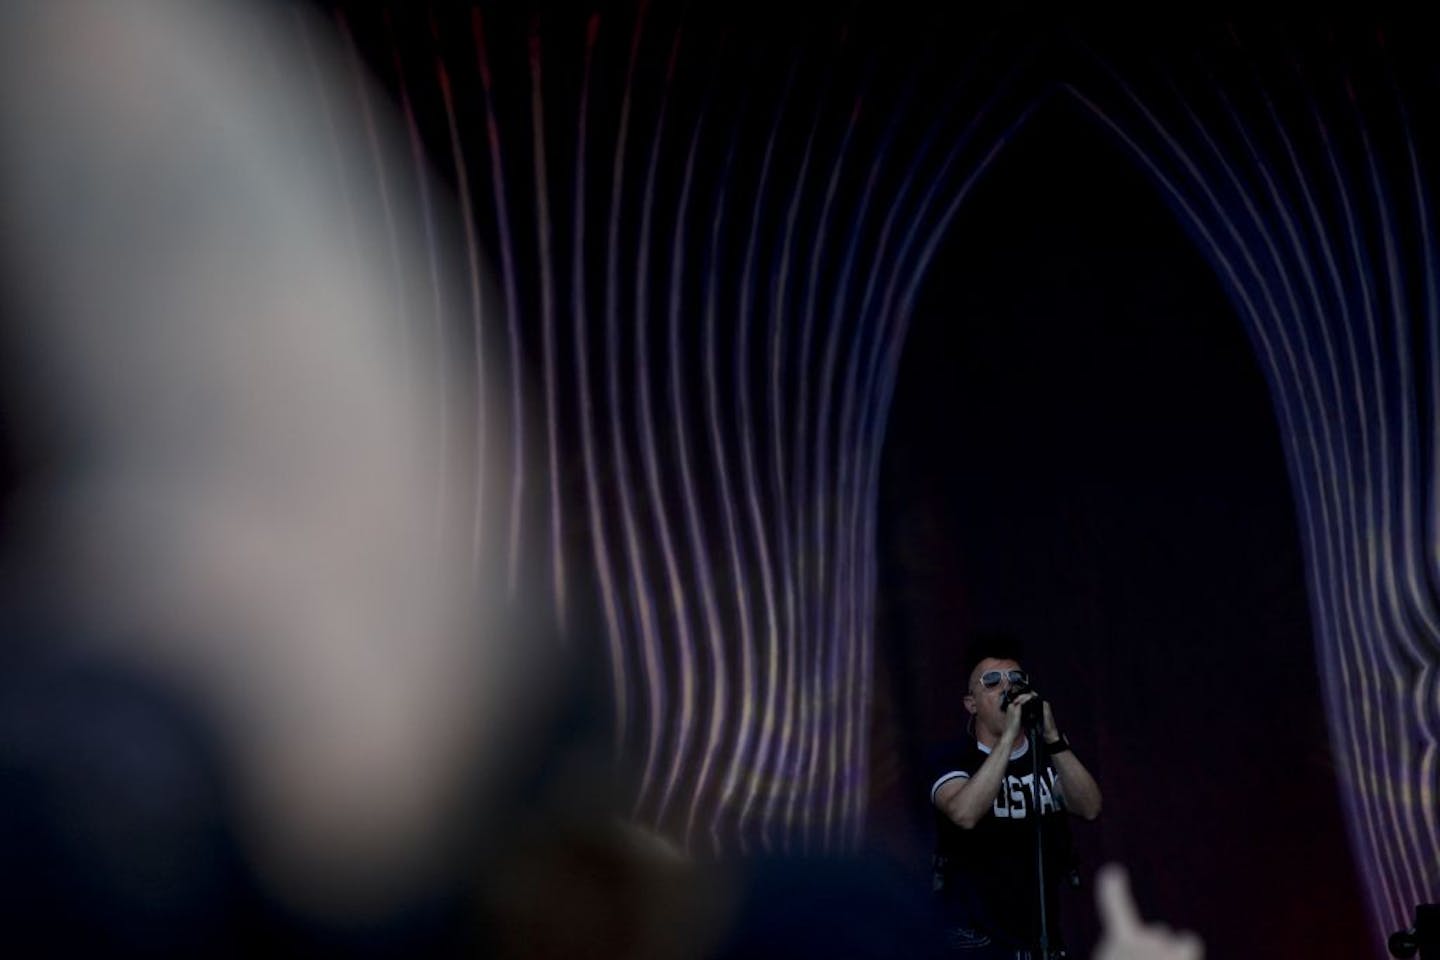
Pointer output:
1033, 721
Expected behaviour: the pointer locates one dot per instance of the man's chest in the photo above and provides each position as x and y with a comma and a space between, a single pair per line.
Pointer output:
1022, 795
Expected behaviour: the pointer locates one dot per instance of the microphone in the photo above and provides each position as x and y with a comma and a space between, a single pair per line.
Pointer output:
1032, 709
1016, 688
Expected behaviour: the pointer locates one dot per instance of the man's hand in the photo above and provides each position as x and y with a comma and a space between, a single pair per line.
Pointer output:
1125, 937
1013, 717
1049, 731
1014, 714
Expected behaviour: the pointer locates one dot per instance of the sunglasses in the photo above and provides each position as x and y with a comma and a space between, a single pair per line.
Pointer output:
990, 679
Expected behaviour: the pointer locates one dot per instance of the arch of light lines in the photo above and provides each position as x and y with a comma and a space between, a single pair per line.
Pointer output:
707, 254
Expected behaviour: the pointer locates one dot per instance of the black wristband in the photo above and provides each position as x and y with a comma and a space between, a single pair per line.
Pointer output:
1059, 746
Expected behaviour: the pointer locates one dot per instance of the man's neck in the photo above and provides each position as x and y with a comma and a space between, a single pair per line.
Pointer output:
988, 740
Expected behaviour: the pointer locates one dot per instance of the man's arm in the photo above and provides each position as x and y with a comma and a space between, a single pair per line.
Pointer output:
965, 801
1081, 792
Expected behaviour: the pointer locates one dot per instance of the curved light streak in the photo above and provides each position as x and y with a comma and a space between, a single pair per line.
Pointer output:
771, 670
472, 263
819, 692
1349, 533
753, 512
791, 575
1370, 578
512, 303
807, 635
615, 637
700, 558
851, 592
679, 756
657, 696
1427, 688
715, 420
824, 734
750, 692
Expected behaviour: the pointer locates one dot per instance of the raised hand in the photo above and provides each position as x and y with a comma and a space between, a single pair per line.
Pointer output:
1126, 936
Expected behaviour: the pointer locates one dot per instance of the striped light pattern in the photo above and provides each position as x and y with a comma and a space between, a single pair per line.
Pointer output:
706, 250
1306, 190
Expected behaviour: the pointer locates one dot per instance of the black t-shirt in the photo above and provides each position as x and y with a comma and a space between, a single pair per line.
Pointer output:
985, 876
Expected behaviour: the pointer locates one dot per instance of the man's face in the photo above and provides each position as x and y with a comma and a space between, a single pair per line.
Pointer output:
984, 702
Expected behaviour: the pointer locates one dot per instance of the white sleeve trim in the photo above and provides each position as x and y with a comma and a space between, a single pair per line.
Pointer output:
946, 778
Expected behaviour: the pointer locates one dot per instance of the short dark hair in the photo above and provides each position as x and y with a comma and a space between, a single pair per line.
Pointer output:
992, 645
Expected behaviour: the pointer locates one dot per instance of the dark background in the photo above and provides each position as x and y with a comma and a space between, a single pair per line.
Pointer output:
1083, 453
1082, 450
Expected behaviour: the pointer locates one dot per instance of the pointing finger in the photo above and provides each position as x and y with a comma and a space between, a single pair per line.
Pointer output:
1117, 907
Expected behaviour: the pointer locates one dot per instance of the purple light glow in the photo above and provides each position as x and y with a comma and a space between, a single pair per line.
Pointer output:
732, 549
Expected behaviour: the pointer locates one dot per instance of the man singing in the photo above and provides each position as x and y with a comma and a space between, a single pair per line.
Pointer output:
986, 797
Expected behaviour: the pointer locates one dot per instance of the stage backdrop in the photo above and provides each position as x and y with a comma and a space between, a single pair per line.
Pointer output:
710, 231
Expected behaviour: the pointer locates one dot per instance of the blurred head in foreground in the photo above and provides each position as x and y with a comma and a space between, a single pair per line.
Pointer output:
257, 695
241, 651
